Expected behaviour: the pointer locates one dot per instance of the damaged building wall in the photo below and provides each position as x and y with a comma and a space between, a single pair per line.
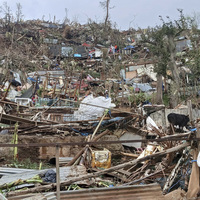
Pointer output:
160, 117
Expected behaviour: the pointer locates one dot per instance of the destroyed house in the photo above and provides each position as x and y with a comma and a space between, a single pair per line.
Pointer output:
67, 51
62, 51
128, 50
80, 52
183, 44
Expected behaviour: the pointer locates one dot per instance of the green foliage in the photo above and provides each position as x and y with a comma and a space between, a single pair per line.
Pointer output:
39, 92
166, 99
46, 66
193, 56
137, 98
135, 56
161, 40
183, 98
74, 187
94, 74
103, 184
27, 164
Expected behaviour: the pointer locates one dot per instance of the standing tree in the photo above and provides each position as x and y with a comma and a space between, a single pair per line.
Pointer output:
19, 15
5, 9
162, 43
106, 6
107, 23
155, 42
193, 59
66, 19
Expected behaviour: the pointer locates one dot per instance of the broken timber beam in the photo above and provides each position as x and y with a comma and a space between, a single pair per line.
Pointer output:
13, 118
92, 175
12, 103
83, 150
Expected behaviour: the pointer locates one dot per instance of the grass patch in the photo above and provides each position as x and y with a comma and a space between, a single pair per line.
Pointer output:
166, 99
28, 164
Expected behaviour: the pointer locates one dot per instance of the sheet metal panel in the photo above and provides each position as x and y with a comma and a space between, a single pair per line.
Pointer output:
135, 192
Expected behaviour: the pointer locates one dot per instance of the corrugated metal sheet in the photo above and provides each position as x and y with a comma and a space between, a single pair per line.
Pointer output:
51, 73
65, 174
67, 51
2, 197
135, 192
29, 197
9, 171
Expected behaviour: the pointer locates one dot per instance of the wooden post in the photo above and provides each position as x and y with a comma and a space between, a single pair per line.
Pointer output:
79, 89
70, 84
95, 131
57, 174
15, 141
83, 150
54, 90
105, 51
122, 99
5, 95
90, 139
44, 86
101, 172
66, 87
75, 92
198, 146
2, 110
189, 104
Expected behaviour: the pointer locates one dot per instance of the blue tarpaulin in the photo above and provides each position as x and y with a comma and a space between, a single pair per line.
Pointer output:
77, 55
105, 122
31, 79
129, 47
144, 87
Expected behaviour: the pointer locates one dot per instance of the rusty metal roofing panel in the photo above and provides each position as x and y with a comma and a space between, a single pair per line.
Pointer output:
134, 192
32, 196
50, 196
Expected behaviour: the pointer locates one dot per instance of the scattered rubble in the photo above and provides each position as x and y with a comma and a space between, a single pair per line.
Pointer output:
89, 110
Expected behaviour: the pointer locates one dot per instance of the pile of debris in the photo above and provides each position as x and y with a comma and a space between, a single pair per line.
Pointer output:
83, 108
116, 148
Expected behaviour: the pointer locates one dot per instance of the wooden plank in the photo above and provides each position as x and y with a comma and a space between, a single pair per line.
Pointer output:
12, 103
57, 174
92, 175
13, 118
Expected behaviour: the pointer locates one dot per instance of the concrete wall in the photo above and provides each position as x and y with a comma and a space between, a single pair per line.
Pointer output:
37, 153
160, 117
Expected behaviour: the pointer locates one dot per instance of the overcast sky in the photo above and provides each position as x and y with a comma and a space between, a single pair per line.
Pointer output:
126, 13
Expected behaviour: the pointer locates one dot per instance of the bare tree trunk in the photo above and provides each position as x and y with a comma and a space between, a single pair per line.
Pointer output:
174, 87
107, 11
159, 95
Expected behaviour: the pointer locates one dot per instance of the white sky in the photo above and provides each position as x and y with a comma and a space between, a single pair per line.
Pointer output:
126, 13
